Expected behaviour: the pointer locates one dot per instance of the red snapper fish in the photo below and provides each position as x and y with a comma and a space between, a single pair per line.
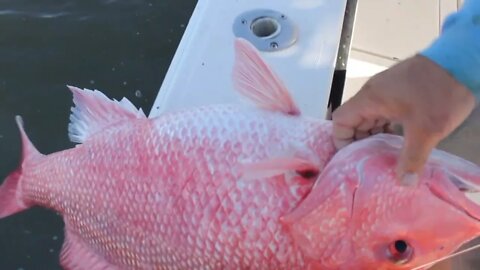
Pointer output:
237, 187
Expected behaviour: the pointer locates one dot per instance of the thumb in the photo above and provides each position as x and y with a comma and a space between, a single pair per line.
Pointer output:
417, 147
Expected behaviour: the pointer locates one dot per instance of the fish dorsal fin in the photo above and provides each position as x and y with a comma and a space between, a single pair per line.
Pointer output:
29, 151
254, 79
94, 111
10, 190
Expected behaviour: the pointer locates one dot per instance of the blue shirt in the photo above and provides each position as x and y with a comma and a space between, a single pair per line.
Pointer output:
457, 49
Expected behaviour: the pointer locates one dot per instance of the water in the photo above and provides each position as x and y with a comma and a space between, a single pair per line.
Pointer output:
122, 47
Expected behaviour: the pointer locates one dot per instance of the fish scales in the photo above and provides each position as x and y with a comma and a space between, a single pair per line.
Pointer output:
226, 186
172, 188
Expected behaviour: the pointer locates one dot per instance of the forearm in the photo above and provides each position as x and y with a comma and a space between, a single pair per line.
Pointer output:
457, 49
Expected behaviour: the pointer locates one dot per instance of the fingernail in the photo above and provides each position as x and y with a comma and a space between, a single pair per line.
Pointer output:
376, 130
409, 179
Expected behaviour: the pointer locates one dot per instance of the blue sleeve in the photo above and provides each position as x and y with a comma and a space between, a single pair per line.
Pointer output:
457, 49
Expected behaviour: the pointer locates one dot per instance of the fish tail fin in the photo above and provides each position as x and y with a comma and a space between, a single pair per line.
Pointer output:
11, 201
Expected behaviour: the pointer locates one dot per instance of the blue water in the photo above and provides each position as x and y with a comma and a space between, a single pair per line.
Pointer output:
121, 47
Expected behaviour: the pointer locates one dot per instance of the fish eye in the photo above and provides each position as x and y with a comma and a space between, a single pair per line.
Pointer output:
400, 252
309, 174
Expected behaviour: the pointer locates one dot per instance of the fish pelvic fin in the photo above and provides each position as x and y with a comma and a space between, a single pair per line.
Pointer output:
277, 166
254, 79
93, 112
10, 193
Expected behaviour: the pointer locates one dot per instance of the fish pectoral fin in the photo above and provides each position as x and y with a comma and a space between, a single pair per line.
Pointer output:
94, 111
254, 79
76, 255
276, 166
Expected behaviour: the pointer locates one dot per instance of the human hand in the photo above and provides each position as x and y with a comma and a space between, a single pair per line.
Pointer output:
415, 93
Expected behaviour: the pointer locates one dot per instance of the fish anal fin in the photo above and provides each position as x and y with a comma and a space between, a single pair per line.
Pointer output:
94, 111
254, 79
76, 255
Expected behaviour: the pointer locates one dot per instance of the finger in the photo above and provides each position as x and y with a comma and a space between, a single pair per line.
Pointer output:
366, 125
381, 122
417, 148
360, 134
345, 121
377, 130
394, 128
343, 132
339, 144
380, 126
349, 114
363, 130
341, 137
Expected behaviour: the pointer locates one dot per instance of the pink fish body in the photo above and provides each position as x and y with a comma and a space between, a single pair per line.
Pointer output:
197, 189
236, 187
